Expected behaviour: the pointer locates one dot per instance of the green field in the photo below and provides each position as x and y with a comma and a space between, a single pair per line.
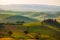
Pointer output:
35, 28
29, 29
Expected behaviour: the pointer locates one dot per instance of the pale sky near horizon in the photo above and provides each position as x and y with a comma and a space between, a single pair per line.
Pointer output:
45, 2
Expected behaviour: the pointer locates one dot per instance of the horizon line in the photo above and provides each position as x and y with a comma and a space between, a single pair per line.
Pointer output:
30, 4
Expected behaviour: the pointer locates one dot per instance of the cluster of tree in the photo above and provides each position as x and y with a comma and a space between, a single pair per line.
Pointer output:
18, 22
51, 22
21, 23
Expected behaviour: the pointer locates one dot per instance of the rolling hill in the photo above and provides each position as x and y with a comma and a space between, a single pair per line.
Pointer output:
32, 10
19, 18
46, 29
35, 15
50, 28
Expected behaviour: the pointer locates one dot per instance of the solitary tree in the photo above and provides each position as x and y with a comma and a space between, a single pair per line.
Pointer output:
26, 32
10, 33
37, 36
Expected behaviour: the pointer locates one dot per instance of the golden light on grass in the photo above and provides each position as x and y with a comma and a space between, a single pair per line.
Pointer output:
7, 38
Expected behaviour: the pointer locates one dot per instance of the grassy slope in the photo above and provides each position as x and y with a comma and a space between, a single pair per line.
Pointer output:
46, 31
3, 15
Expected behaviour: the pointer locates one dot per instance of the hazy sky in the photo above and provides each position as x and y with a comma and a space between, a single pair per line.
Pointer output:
48, 2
